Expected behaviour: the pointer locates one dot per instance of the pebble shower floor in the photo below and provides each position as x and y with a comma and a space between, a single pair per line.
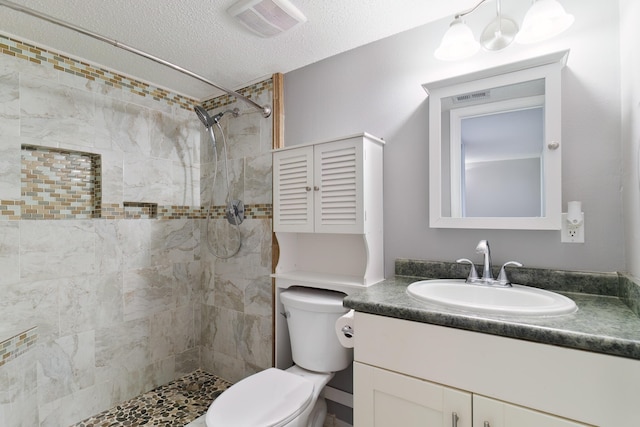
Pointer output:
174, 404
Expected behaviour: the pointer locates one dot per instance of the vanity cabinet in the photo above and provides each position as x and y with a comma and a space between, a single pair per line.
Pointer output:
386, 398
509, 382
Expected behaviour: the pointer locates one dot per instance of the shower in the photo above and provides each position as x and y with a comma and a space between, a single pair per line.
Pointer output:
234, 211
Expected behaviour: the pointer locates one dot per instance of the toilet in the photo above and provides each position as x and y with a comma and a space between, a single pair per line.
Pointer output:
291, 398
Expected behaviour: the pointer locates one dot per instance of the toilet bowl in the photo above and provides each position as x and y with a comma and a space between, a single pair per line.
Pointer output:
292, 397
272, 398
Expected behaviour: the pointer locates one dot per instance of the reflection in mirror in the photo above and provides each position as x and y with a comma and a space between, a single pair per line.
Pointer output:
495, 133
494, 147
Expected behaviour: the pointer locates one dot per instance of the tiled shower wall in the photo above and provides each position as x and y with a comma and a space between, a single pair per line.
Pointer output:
236, 308
113, 305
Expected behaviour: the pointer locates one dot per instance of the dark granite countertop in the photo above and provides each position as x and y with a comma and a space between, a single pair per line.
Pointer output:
602, 324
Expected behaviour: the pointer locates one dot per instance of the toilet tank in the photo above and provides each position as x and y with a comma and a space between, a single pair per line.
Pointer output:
311, 317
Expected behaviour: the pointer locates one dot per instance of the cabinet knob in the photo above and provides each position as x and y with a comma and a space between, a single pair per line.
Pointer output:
316, 188
486, 424
308, 188
454, 419
553, 145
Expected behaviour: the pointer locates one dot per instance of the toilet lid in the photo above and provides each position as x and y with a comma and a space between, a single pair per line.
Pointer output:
269, 398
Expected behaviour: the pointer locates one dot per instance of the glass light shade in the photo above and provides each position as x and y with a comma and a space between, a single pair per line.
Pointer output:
457, 43
545, 19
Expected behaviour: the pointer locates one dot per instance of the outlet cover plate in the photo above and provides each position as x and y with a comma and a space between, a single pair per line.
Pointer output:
572, 233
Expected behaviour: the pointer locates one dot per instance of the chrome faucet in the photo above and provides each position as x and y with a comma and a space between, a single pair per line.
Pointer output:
487, 273
483, 248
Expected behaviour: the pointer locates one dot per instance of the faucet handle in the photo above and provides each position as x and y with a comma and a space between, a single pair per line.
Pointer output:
502, 279
473, 274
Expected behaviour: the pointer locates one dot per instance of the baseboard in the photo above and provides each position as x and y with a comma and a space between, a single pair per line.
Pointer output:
338, 396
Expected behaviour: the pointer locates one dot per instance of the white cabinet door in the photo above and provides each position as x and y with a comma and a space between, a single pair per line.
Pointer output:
494, 413
293, 190
320, 188
387, 399
338, 182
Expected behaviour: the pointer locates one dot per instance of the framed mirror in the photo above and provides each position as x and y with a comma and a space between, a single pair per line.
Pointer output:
494, 147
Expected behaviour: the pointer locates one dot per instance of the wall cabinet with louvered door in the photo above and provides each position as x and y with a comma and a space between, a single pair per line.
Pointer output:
328, 187
327, 202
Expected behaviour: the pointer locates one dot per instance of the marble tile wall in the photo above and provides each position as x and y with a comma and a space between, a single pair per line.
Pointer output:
134, 297
236, 331
116, 301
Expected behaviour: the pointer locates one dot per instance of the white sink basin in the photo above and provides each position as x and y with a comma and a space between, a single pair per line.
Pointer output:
516, 301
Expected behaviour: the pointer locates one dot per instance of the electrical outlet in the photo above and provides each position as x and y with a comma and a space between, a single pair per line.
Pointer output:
572, 233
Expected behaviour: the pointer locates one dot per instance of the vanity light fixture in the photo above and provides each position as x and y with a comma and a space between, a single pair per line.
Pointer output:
544, 19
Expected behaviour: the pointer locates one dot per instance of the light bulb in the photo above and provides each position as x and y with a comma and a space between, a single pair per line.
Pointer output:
544, 19
457, 43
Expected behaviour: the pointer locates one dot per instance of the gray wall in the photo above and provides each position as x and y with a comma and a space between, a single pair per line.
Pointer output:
377, 89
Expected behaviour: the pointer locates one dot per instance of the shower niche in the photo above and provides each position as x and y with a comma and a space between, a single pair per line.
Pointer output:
60, 184
328, 213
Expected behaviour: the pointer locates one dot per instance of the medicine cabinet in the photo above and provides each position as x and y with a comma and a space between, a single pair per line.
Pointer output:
495, 147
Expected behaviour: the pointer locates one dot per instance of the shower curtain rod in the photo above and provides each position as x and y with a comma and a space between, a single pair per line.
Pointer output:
266, 110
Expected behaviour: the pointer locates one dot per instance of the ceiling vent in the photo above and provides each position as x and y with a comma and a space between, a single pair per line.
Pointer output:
267, 18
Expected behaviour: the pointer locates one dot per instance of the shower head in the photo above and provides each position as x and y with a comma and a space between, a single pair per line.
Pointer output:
207, 120
204, 117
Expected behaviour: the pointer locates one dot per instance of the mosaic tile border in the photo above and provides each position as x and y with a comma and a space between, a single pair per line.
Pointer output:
252, 91
18, 345
11, 210
134, 210
255, 211
78, 68
38, 55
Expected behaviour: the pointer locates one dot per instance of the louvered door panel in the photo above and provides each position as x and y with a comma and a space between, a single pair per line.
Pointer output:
293, 189
338, 179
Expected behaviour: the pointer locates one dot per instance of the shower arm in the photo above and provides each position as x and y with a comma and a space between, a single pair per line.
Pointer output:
266, 110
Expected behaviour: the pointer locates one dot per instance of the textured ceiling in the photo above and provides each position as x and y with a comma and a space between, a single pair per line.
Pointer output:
198, 35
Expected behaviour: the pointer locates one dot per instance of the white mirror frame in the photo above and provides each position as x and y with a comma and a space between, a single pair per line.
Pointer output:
547, 67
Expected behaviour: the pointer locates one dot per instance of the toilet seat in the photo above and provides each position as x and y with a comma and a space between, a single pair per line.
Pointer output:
270, 398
